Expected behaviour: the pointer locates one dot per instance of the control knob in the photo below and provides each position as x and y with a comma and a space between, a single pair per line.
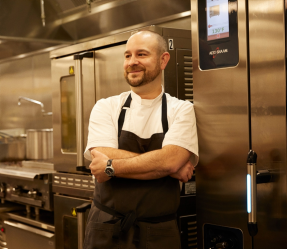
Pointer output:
33, 193
16, 190
2, 190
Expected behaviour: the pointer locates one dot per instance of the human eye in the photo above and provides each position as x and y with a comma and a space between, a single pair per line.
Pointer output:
127, 56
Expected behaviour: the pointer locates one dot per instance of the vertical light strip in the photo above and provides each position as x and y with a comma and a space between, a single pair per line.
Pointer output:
248, 193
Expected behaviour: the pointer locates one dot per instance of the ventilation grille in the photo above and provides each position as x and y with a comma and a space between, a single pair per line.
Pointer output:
184, 75
188, 78
188, 230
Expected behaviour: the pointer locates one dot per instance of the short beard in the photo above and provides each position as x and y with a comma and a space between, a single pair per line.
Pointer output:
147, 77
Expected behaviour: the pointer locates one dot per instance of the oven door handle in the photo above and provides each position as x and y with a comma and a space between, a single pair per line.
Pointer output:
28, 228
79, 105
81, 222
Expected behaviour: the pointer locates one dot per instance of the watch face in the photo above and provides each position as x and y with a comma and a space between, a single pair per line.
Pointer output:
109, 171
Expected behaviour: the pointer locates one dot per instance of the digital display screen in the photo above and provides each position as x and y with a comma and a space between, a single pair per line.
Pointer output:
217, 17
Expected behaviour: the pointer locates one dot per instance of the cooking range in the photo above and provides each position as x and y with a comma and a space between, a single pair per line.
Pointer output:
27, 205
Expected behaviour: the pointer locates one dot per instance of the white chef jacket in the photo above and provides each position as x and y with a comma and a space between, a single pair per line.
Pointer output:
143, 118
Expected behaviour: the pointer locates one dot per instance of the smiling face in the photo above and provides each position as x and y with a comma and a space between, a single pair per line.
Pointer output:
142, 63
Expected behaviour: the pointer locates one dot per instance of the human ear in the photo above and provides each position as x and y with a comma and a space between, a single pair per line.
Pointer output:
164, 58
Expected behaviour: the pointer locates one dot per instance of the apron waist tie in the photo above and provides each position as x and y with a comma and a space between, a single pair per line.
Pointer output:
125, 222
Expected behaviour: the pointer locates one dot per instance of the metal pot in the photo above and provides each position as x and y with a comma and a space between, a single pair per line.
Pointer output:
39, 144
12, 148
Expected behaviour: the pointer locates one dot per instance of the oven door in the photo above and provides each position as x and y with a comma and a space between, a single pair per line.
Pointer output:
66, 103
66, 221
19, 235
102, 77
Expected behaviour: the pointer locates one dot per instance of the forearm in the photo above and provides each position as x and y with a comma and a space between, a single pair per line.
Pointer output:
152, 165
182, 174
114, 153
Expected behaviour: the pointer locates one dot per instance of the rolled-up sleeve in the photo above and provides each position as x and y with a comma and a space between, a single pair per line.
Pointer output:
182, 130
102, 130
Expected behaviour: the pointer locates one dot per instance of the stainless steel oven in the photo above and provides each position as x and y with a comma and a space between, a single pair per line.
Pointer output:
86, 72
72, 200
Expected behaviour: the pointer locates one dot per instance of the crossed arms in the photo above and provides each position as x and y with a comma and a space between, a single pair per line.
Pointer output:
171, 161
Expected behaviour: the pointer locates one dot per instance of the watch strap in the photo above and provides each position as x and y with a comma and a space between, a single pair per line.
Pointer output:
109, 162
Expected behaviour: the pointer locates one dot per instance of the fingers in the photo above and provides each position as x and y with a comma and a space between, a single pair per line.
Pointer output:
185, 179
189, 170
189, 175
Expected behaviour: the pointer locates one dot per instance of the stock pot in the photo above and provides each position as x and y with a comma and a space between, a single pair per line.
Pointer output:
39, 144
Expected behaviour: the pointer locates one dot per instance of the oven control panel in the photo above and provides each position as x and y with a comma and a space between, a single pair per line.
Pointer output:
73, 184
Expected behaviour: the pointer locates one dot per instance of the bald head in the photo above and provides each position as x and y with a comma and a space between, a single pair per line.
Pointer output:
145, 57
159, 42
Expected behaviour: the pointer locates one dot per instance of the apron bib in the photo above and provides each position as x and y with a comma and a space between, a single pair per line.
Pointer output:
129, 213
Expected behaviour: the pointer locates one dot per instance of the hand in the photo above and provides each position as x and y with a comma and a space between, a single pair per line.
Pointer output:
184, 173
98, 166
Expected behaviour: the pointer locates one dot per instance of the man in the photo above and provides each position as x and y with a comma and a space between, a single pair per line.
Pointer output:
141, 143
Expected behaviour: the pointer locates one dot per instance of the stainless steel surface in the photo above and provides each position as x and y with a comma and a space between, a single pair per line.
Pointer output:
42, 12
36, 102
31, 77
107, 61
221, 99
14, 149
38, 164
79, 113
31, 221
25, 20
39, 144
26, 200
115, 12
23, 173
74, 185
64, 21
28, 228
66, 223
251, 193
81, 229
27, 236
65, 160
115, 38
30, 186
267, 21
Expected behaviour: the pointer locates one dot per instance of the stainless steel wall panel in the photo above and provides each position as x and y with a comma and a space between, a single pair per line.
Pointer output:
221, 107
28, 77
268, 116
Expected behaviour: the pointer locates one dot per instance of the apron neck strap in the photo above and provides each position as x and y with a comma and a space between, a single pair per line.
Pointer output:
128, 104
164, 121
123, 114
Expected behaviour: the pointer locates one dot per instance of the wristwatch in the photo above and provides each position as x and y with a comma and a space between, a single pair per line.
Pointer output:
110, 171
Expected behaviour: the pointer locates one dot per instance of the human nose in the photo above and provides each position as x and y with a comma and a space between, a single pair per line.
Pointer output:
133, 60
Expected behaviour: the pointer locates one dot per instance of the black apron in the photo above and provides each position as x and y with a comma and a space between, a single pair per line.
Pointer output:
129, 213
